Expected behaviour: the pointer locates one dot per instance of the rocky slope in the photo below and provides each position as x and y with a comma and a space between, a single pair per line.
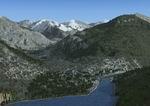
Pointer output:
18, 37
17, 70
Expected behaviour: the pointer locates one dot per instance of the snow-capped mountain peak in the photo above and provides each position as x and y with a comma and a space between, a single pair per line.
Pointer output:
46, 21
52, 29
76, 25
43, 24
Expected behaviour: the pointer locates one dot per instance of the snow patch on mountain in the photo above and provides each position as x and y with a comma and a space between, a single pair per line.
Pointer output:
64, 28
76, 25
73, 24
43, 24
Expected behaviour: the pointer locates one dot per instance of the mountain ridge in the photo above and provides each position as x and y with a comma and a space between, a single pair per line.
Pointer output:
53, 30
106, 39
18, 37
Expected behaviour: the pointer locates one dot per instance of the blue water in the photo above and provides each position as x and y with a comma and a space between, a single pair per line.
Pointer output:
102, 96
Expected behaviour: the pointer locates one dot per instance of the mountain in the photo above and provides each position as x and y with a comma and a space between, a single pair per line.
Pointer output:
53, 30
22, 38
125, 36
44, 23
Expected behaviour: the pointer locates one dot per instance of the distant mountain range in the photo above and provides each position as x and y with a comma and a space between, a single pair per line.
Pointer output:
40, 57
56, 31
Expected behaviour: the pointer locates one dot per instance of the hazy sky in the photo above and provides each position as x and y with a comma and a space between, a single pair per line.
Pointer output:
64, 10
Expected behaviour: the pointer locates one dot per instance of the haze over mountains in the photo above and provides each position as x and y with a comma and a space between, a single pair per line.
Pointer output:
40, 58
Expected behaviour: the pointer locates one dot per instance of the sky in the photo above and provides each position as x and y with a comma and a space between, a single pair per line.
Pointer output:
64, 10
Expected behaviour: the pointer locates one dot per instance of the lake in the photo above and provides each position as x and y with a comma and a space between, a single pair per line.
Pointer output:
102, 96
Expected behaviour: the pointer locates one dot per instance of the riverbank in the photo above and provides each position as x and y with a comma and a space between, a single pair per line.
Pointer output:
102, 96
96, 84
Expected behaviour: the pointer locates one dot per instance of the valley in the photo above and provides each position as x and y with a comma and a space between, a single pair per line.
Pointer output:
47, 59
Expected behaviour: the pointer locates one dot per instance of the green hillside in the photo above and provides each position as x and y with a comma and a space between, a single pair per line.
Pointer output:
134, 88
125, 36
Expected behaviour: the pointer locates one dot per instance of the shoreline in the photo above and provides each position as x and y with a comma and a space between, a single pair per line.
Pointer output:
94, 88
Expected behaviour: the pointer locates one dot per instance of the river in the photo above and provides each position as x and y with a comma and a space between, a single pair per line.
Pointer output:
102, 96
